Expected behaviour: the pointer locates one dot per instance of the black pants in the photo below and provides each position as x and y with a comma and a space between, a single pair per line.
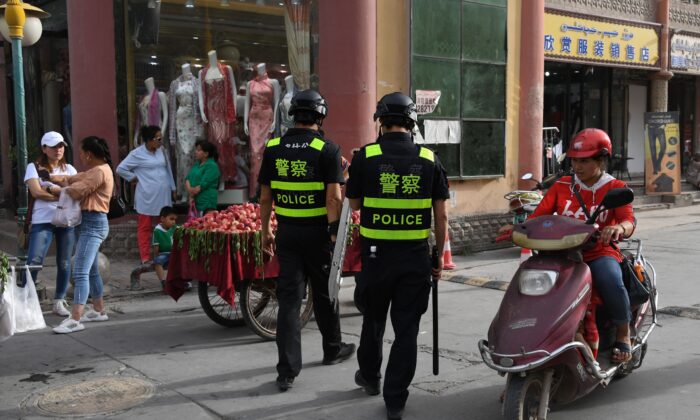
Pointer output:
657, 156
401, 279
303, 254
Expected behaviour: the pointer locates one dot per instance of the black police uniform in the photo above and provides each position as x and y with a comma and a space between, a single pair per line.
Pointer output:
397, 181
297, 168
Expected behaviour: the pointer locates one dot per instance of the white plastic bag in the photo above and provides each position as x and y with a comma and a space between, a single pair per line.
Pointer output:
7, 320
25, 307
68, 213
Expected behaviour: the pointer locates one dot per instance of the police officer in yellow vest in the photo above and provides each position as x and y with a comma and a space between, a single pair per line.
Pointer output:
397, 185
301, 175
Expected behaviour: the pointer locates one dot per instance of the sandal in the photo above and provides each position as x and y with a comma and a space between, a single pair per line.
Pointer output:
620, 348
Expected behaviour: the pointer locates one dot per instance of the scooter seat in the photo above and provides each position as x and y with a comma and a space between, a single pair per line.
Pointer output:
552, 233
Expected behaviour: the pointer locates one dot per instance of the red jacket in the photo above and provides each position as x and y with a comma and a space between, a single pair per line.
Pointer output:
560, 199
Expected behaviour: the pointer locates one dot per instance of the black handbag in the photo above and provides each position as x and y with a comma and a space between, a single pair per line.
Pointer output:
637, 290
117, 207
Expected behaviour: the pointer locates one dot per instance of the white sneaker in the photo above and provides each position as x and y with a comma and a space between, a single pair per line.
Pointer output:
60, 307
69, 325
92, 315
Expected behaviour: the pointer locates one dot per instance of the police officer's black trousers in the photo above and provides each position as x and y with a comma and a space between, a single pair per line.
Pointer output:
401, 279
303, 253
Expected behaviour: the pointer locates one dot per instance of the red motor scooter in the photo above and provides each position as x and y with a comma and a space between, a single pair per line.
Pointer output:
545, 336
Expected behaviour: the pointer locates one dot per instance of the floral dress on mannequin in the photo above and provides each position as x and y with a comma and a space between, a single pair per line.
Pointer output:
221, 113
260, 120
185, 126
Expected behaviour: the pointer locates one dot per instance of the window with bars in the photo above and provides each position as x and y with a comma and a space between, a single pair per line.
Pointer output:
459, 48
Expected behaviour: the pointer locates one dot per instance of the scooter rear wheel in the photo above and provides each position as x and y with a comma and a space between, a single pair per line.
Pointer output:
523, 394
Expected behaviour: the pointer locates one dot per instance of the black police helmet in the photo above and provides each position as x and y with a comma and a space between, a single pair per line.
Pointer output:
396, 105
309, 100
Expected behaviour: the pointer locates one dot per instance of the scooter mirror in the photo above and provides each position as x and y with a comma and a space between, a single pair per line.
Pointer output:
617, 197
526, 176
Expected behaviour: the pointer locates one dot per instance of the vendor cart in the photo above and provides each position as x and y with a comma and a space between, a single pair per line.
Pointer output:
236, 282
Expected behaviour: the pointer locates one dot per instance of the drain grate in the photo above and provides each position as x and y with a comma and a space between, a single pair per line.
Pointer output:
95, 397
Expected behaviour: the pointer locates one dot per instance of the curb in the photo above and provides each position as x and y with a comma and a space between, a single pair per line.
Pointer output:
477, 281
681, 312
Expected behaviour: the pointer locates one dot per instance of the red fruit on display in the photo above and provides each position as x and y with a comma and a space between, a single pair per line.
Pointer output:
234, 219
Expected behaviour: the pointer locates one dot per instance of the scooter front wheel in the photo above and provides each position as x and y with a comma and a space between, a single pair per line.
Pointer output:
523, 395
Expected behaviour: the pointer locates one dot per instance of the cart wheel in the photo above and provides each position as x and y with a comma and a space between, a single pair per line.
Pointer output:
259, 307
217, 308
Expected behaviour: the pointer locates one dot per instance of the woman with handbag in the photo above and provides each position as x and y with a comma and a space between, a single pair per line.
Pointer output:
203, 180
93, 188
38, 225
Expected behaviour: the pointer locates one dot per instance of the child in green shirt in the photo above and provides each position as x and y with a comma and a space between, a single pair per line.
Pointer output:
163, 241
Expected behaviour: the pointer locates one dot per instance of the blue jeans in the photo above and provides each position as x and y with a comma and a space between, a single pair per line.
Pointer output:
162, 259
93, 231
607, 278
40, 238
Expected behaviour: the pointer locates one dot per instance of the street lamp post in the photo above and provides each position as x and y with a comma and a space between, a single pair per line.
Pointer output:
13, 26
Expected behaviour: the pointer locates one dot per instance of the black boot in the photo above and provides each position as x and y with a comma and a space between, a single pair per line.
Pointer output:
344, 353
370, 387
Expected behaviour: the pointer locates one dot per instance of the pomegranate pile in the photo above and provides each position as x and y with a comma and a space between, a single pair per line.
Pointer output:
240, 225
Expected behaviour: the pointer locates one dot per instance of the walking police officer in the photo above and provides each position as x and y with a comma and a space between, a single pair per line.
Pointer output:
301, 175
396, 184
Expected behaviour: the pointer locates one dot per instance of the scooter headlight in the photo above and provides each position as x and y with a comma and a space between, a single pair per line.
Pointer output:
536, 282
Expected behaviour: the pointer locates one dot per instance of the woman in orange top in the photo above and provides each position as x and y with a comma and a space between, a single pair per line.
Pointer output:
94, 190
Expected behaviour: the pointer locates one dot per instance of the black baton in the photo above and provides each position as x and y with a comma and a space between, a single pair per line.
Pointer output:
434, 284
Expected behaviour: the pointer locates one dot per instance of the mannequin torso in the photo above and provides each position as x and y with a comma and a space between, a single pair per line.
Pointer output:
262, 101
185, 124
218, 92
286, 120
153, 110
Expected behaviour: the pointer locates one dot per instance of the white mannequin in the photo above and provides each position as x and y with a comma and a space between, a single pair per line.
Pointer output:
213, 73
186, 71
163, 99
289, 85
261, 68
286, 121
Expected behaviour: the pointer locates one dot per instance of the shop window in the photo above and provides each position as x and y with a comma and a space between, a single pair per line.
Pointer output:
483, 91
483, 147
169, 44
439, 75
459, 48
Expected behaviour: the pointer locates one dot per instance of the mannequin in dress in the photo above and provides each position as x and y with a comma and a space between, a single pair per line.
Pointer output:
218, 92
186, 109
286, 120
259, 119
152, 110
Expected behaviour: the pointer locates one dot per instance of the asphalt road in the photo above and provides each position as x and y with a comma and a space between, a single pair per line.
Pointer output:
199, 370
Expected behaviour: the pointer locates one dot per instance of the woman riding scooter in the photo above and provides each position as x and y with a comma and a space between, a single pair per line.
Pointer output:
589, 151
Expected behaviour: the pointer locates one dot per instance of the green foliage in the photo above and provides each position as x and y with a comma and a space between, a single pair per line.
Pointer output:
202, 244
4, 271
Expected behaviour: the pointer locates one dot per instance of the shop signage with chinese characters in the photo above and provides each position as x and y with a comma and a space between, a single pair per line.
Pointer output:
685, 53
600, 41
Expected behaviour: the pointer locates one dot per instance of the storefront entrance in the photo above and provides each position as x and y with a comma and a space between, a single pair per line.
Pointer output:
681, 98
578, 96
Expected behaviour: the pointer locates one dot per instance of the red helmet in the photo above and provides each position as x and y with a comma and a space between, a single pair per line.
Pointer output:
590, 142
